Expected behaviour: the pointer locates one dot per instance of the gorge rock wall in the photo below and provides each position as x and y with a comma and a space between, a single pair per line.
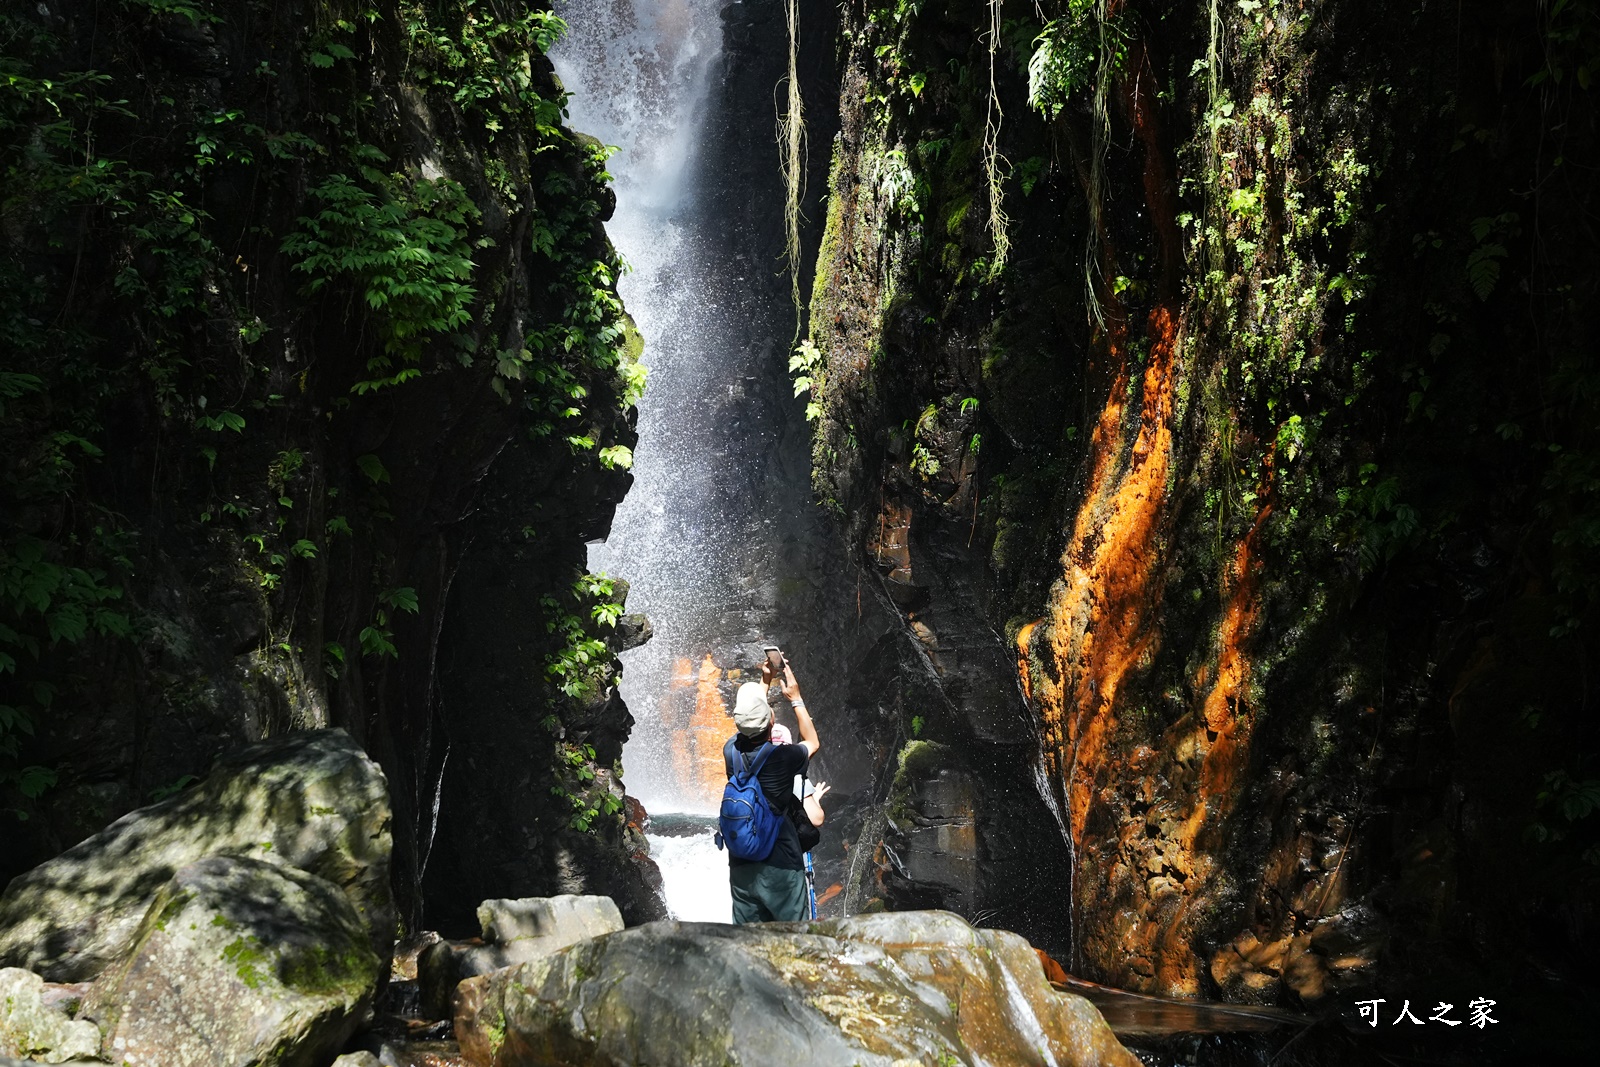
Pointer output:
1230, 491
315, 384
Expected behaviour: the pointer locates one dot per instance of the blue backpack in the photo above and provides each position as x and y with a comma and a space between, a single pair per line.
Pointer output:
749, 826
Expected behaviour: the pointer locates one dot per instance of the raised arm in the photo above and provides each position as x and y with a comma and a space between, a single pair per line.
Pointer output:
802, 714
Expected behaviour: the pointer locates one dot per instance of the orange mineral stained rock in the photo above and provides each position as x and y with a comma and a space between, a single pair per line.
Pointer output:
1139, 878
698, 736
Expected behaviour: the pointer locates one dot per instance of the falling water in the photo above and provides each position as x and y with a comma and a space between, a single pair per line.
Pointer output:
639, 73
718, 537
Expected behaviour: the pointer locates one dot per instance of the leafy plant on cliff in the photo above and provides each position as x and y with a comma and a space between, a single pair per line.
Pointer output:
402, 246
808, 365
581, 666
476, 52
1070, 53
1083, 48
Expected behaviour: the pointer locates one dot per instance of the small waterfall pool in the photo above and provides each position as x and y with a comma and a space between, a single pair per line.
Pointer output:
694, 870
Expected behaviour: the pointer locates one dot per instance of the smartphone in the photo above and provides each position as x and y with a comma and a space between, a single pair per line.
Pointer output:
774, 658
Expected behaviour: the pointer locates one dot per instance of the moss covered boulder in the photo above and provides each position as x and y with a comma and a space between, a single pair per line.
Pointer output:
238, 962
311, 800
886, 990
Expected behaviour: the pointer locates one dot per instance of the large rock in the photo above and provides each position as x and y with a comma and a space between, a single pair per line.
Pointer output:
310, 800
31, 1026
239, 962
514, 931
887, 990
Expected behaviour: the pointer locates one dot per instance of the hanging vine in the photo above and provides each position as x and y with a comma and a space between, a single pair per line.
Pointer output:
791, 136
992, 160
1083, 48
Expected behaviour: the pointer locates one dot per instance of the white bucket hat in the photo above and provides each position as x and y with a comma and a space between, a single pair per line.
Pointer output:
751, 712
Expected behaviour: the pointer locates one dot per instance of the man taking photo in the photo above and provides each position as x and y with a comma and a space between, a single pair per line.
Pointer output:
771, 889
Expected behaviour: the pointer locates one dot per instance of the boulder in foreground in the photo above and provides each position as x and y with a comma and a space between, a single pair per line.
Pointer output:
886, 990
514, 931
238, 963
309, 800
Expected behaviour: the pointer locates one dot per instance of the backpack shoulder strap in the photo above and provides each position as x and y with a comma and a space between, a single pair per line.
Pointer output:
750, 762
760, 757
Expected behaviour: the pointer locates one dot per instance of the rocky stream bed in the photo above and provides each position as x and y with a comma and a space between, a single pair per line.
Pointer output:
247, 921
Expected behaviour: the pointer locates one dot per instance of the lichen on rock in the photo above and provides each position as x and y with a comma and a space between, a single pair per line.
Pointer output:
239, 961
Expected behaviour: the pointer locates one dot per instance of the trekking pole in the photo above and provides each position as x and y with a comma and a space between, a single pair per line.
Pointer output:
811, 884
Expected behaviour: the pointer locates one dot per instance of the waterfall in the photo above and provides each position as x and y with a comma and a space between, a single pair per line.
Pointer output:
639, 72
719, 539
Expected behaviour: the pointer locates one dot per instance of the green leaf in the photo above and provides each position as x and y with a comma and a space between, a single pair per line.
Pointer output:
376, 642
1483, 269
402, 599
33, 781
373, 468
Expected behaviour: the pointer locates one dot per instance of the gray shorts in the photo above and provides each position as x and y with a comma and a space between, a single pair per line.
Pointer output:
764, 894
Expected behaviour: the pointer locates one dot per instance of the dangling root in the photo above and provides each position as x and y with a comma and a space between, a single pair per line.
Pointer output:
791, 138
991, 151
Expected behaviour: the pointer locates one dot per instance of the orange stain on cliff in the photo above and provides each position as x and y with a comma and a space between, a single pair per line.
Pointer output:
1024, 636
697, 743
1100, 612
1226, 720
1104, 611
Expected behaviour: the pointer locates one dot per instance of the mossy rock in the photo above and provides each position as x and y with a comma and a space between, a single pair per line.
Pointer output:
239, 961
311, 800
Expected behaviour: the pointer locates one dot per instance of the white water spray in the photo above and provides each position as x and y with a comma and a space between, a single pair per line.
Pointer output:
639, 72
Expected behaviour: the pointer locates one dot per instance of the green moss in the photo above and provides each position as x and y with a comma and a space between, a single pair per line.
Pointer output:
322, 971
495, 1031
249, 959
956, 216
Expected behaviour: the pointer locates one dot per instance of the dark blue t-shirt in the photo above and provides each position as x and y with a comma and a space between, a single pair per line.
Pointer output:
777, 785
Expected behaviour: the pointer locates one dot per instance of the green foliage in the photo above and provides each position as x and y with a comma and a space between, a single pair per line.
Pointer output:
1382, 522
1073, 53
475, 52
402, 246
43, 603
809, 368
581, 666
924, 461
376, 639
1565, 805
578, 783
1483, 262
195, 12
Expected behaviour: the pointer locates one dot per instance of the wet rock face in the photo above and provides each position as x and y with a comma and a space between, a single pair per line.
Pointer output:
880, 990
312, 801
238, 962
1281, 741
372, 520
